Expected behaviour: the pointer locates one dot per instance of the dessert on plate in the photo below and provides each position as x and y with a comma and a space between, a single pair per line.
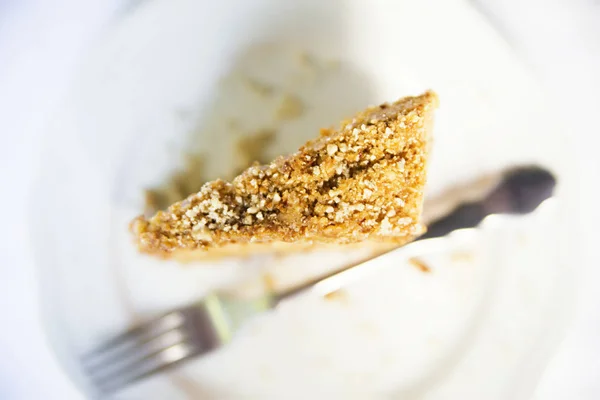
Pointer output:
359, 184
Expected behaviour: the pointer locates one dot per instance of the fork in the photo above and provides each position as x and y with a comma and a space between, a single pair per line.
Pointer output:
211, 322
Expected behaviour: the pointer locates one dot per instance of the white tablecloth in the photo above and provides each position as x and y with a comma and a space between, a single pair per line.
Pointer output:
40, 43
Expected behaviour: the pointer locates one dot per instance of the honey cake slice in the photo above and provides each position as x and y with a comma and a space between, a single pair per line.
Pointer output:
361, 183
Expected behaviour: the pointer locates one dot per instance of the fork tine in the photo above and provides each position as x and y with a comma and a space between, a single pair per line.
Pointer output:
128, 358
159, 361
139, 334
158, 345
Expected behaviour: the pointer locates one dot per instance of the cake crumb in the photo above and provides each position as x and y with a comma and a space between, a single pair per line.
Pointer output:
401, 164
339, 295
183, 182
258, 87
332, 149
201, 233
462, 256
306, 60
269, 282
290, 108
419, 264
253, 148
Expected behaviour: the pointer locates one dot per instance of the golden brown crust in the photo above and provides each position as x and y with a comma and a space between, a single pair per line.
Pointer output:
362, 182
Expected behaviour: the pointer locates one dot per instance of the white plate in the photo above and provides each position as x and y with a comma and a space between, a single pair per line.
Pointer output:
475, 327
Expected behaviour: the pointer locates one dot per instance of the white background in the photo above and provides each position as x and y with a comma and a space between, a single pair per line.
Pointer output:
40, 44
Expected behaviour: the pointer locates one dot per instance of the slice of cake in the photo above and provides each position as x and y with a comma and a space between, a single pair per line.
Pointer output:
362, 183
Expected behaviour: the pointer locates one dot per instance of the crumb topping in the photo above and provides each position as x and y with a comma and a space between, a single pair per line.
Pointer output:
363, 181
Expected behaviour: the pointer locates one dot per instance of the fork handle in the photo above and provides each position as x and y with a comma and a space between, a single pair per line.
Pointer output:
520, 191
465, 216
308, 285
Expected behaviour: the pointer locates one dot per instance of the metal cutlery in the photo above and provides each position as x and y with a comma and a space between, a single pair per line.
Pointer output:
211, 322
